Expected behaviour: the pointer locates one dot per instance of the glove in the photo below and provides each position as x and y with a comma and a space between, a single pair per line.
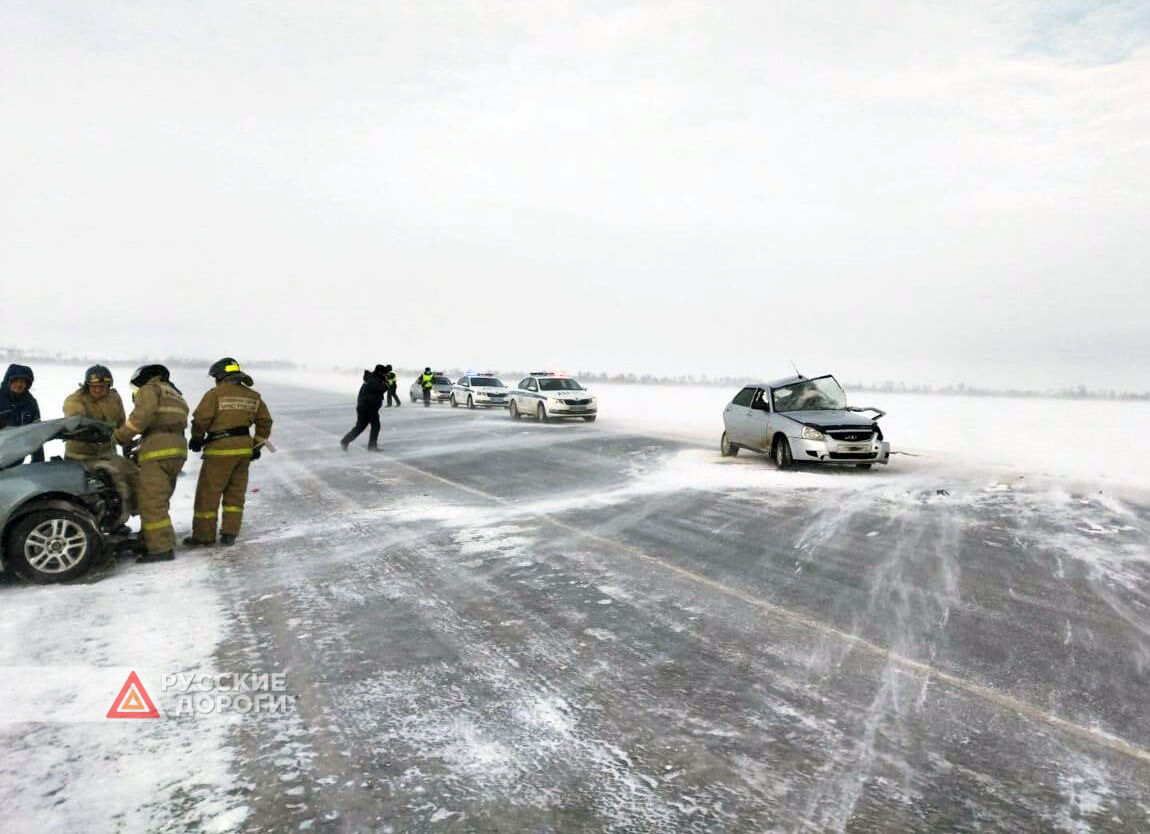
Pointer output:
195, 444
255, 453
128, 446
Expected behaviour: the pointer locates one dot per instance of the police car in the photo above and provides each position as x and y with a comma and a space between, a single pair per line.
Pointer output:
474, 390
548, 396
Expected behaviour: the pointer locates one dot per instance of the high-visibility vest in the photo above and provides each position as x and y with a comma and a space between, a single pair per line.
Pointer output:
425, 380
391, 378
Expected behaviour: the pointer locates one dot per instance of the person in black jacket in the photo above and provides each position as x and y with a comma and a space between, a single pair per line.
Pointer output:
17, 405
367, 407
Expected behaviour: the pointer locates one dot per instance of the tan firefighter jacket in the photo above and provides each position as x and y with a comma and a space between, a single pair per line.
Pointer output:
231, 405
109, 409
159, 416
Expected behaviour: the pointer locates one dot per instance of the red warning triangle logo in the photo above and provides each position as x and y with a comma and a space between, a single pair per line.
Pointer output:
133, 701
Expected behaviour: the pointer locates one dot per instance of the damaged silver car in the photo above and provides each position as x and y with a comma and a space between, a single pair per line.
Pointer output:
57, 517
800, 419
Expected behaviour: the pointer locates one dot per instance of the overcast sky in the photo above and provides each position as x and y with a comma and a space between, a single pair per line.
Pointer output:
939, 192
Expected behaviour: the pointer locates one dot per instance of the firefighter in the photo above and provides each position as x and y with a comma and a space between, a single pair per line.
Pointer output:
220, 428
392, 383
425, 380
98, 400
159, 415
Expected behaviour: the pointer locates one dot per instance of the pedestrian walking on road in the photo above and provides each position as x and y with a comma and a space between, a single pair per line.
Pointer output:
426, 380
221, 426
367, 407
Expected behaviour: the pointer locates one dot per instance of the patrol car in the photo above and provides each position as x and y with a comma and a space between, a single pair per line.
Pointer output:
800, 419
479, 390
548, 396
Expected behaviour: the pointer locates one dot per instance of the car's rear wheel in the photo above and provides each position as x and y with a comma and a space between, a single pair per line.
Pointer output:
54, 545
590, 418
454, 404
513, 410
541, 413
726, 448
782, 453
470, 402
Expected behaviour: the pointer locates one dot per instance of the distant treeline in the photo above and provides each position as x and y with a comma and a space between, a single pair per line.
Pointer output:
31, 358
1076, 392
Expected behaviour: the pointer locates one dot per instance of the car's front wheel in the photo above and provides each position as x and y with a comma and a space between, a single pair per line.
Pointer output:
454, 404
782, 453
726, 448
470, 402
541, 413
54, 545
513, 410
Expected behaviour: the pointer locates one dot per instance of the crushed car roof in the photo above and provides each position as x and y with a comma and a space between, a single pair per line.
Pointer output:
19, 442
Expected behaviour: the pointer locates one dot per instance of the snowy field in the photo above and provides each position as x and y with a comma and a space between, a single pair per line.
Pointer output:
1033, 551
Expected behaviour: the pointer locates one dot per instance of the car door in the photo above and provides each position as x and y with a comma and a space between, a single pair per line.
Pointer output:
757, 426
517, 394
735, 415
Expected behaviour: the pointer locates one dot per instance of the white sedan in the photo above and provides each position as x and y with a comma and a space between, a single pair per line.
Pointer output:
479, 390
549, 396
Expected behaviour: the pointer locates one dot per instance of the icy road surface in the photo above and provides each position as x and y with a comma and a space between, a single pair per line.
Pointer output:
507, 626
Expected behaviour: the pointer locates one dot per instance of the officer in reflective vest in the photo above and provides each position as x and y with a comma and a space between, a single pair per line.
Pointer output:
426, 380
392, 383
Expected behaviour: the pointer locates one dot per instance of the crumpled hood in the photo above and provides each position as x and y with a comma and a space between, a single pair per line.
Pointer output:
830, 418
17, 443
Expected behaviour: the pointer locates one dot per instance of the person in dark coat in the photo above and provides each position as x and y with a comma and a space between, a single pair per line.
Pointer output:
17, 405
367, 407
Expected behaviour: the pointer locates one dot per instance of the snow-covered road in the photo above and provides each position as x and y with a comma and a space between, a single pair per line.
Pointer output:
501, 626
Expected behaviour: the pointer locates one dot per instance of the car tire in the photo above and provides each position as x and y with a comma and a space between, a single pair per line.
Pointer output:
54, 545
726, 448
414, 398
513, 410
781, 452
470, 402
864, 466
454, 404
590, 418
541, 413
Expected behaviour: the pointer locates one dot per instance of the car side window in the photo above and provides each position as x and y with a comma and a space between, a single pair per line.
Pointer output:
464, 381
758, 402
531, 386
745, 396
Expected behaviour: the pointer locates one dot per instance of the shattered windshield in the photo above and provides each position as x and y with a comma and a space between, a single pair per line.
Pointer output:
822, 394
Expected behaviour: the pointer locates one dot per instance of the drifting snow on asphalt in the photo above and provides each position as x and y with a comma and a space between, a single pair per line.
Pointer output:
500, 625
